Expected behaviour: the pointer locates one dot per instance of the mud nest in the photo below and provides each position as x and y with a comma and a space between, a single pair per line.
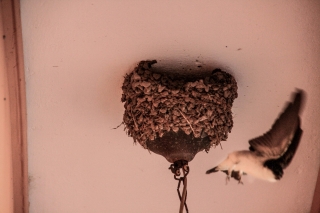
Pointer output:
157, 104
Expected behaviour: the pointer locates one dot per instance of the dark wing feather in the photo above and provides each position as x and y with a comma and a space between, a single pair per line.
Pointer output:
277, 165
286, 158
275, 142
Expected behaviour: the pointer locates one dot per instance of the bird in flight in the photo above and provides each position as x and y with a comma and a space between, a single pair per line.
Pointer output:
270, 153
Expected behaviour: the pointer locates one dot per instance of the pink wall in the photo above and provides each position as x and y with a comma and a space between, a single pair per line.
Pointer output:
76, 54
6, 195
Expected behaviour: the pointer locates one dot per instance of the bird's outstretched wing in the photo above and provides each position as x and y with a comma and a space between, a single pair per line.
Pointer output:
276, 141
286, 158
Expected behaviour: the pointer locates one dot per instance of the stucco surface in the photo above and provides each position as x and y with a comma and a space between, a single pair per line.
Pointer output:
76, 55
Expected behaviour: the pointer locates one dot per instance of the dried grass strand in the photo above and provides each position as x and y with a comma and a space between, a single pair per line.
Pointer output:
187, 120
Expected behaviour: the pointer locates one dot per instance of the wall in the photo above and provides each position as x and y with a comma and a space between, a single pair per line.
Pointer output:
6, 195
76, 54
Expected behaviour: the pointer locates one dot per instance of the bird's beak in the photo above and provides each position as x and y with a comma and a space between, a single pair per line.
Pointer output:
214, 169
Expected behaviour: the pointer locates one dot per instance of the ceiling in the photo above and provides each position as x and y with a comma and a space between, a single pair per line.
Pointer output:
76, 56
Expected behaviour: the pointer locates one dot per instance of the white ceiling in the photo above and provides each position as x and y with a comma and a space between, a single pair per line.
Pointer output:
76, 54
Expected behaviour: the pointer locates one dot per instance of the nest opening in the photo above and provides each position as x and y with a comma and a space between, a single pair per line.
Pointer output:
177, 116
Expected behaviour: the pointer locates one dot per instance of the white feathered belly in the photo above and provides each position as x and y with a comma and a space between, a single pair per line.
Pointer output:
253, 165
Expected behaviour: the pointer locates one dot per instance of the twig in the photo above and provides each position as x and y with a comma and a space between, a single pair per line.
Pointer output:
134, 120
187, 121
148, 149
118, 125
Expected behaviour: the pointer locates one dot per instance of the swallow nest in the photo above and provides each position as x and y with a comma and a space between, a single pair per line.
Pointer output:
158, 103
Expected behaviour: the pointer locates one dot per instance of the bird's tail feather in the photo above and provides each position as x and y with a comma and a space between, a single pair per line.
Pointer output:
214, 169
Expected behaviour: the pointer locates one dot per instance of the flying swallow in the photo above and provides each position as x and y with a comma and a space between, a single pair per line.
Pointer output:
270, 153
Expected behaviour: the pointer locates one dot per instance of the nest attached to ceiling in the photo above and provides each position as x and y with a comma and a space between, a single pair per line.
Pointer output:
177, 116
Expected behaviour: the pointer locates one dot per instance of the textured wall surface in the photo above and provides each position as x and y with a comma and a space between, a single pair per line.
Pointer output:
76, 54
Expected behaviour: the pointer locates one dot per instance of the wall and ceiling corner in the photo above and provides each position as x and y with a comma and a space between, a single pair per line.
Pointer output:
6, 195
12, 37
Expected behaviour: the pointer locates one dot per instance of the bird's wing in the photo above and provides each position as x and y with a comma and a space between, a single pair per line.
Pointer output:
286, 158
275, 142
